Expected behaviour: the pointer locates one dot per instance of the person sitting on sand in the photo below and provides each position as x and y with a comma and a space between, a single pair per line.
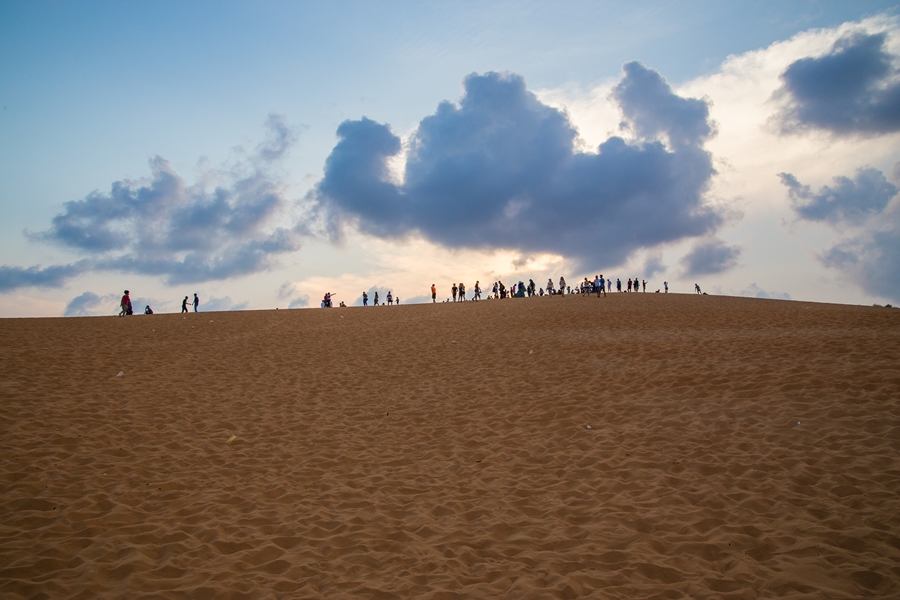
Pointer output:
148, 310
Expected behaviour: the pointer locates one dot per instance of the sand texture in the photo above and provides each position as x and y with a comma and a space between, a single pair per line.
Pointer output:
738, 448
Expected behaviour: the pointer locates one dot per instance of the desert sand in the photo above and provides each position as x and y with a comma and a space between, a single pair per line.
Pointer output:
737, 448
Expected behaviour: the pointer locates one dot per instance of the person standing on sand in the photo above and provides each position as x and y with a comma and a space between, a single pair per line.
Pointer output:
477, 295
376, 298
125, 305
495, 290
454, 289
365, 299
697, 287
602, 286
433, 294
609, 285
644, 285
618, 284
196, 302
462, 292
666, 285
184, 302
562, 286
390, 298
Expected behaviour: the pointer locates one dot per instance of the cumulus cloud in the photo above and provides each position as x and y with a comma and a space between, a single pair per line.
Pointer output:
501, 170
853, 89
848, 200
55, 276
862, 209
709, 257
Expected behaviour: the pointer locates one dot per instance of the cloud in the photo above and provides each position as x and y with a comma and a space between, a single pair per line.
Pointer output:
862, 209
653, 265
850, 201
162, 226
871, 259
709, 257
299, 302
54, 276
220, 304
854, 89
81, 306
500, 170
280, 138
755, 291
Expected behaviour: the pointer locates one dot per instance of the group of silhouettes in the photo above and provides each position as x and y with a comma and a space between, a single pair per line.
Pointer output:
126, 309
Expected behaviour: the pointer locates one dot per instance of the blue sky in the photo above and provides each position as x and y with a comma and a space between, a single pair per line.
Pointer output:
790, 193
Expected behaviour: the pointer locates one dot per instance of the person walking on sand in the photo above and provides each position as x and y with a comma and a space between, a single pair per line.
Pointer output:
376, 298
550, 287
365, 299
433, 294
196, 302
184, 307
125, 305
477, 295
602, 287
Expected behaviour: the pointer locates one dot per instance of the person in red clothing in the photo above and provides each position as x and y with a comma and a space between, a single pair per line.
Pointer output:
125, 305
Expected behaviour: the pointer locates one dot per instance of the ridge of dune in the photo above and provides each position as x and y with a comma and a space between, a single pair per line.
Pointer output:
738, 448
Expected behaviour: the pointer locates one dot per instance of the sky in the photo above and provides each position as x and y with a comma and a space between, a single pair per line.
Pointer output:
261, 154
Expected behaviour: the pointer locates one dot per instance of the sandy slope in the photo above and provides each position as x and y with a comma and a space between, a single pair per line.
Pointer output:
739, 448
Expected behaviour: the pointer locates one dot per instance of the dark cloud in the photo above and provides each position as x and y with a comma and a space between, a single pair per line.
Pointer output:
854, 89
49, 277
848, 200
184, 233
709, 257
501, 170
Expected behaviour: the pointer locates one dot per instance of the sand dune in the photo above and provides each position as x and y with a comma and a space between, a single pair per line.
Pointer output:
738, 448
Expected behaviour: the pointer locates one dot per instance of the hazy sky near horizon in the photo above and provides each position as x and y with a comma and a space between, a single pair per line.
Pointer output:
262, 154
